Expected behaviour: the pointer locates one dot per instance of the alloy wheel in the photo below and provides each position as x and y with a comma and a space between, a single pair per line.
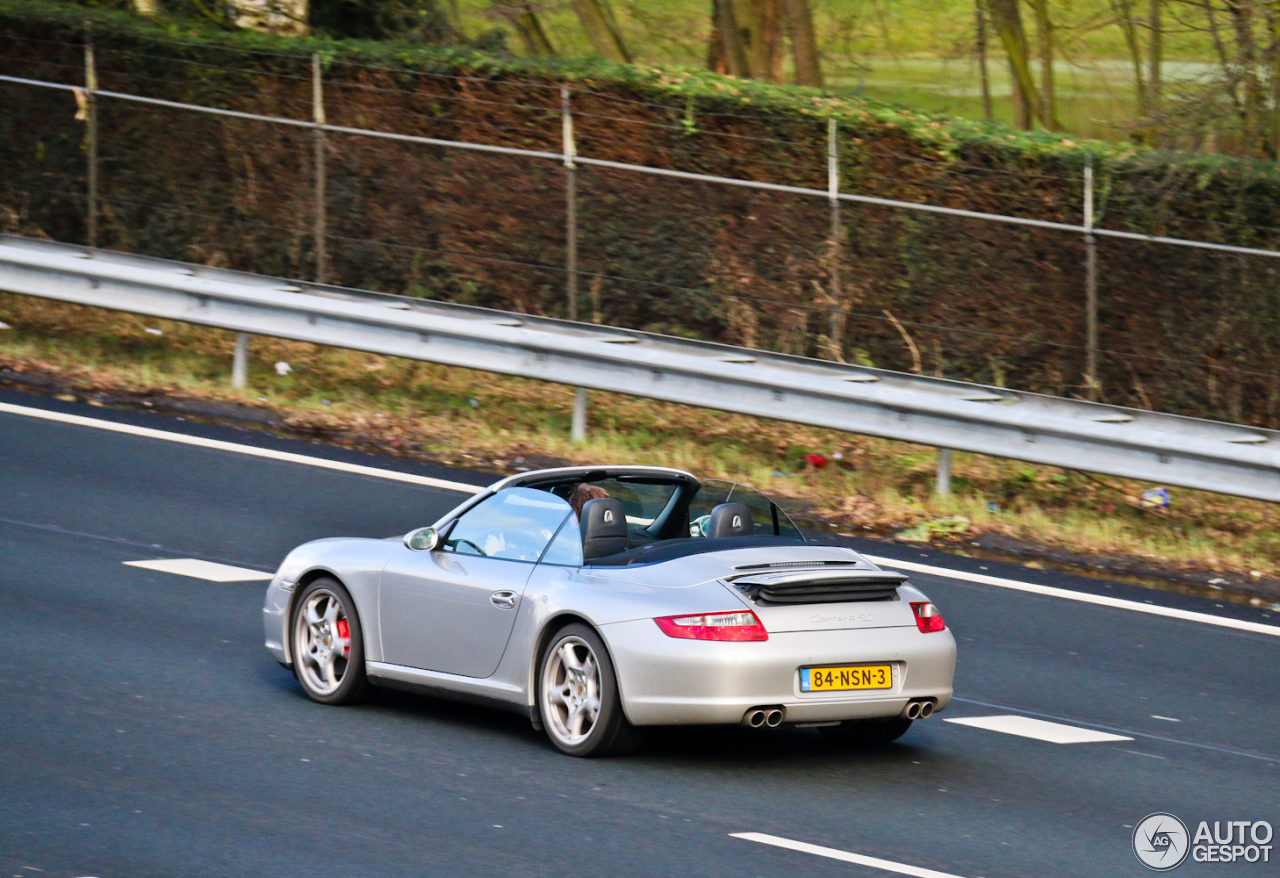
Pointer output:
571, 690
322, 640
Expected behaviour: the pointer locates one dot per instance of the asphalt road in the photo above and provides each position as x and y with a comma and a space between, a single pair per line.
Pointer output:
146, 732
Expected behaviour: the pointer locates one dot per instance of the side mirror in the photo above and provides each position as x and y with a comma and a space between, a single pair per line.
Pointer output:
424, 539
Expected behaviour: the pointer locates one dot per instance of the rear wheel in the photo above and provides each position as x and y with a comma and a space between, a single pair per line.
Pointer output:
867, 732
328, 644
578, 696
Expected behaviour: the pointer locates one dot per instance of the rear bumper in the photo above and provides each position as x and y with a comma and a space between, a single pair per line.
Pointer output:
669, 681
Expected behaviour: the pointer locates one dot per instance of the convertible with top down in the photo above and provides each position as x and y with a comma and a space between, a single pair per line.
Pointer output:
599, 601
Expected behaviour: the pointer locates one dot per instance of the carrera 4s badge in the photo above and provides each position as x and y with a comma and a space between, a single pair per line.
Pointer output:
819, 618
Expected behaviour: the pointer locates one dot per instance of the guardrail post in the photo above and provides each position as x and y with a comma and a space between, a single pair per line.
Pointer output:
240, 362
578, 432
943, 486
91, 134
1091, 284
835, 331
320, 228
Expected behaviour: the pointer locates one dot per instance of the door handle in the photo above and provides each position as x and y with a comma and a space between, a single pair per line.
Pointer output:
503, 600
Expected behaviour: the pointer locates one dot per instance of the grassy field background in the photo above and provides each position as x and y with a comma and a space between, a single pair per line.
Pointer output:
920, 53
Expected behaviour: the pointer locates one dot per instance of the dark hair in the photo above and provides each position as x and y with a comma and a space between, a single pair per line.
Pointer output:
582, 493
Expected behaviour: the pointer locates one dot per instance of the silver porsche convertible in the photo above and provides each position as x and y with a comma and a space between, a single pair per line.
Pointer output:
599, 601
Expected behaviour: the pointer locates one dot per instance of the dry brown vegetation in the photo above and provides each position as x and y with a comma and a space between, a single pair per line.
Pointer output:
486, 421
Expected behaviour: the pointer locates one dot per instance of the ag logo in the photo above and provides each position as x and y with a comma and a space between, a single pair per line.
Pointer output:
1161, 842
608, 516
737, 521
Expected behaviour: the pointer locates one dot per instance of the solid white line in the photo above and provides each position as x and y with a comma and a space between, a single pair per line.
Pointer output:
237, 448
198, 569
1082, 597
1041, 730
844, 856
374, 472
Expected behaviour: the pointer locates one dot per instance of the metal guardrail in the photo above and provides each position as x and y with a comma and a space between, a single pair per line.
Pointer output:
1168, 449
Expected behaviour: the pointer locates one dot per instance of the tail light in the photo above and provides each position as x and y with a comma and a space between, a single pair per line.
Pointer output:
927, 617
714, 626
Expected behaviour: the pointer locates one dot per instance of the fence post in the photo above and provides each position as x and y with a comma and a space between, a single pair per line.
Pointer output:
836, 330
91, 132
943, 485
578, 430
1091, 284
570, 202
320, 229
240, 362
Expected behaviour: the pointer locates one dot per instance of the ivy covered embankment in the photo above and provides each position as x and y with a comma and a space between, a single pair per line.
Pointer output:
1181, 330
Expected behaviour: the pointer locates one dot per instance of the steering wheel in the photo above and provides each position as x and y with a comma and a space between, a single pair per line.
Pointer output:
479, 551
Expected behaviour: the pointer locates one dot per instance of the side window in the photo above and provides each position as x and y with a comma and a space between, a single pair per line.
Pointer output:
515, 525
566, 549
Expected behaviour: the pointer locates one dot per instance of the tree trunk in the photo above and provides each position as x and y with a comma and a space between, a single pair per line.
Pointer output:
525, 21
1273, 63
1129, 27
804, 44
760, 23
602, 29
1007, 18
1157, 52
725, 53
1048, 94
980, 44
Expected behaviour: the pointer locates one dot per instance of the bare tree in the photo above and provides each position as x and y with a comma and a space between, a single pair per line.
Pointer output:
804, 44
602, 29
524, 18
980, 45
1128, 23
1006, 17
1047, 50
725, 50
761, 25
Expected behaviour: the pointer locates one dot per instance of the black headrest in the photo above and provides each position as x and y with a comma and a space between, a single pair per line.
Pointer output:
604, 528
731, 520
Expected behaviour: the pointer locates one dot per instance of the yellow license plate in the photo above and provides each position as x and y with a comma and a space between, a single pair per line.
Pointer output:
845, 678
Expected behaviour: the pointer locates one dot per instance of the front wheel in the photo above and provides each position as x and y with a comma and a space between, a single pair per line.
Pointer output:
328, 644
578, 696
867, 732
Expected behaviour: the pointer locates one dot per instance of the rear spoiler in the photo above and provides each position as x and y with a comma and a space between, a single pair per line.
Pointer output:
820, 586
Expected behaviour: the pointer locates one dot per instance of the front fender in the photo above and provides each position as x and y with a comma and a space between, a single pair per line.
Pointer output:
356, 563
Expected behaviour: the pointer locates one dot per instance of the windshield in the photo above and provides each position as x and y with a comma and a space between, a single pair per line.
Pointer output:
768, 518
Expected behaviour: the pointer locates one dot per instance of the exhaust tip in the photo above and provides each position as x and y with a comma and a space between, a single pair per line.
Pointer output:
754, 718
913, 710
926, 710
773, 718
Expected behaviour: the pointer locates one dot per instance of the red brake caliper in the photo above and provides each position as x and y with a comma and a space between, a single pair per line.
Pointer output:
344, 631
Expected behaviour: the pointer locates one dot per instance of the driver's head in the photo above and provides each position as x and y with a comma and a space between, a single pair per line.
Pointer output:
582, 493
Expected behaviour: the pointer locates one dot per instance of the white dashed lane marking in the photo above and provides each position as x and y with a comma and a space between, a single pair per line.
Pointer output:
201, 569
1041, 730
843, 856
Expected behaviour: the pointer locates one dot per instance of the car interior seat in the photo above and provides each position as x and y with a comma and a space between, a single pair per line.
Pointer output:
731, 520
604, 528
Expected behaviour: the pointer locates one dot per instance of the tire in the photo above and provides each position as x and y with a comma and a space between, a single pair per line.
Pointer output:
867, 732
330, 670
578, 697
